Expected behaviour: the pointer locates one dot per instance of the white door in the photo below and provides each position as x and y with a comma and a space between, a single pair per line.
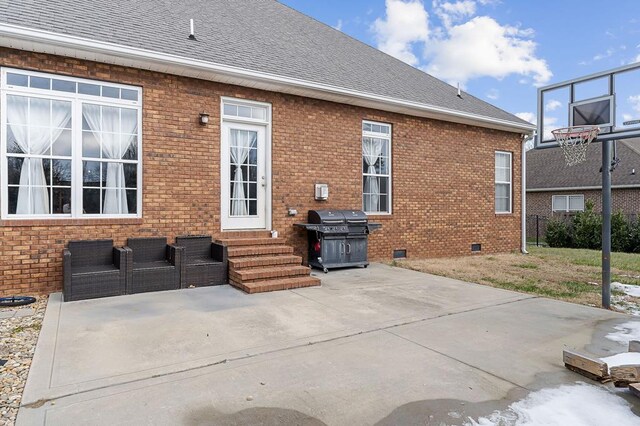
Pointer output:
244, 176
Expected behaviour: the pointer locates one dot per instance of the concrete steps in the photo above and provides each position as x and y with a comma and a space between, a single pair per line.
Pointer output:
259, 263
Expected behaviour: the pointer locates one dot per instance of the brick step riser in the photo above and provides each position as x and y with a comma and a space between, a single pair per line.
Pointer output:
276, 285
250, 276
238, 252
253, 262
226, 235
242, 242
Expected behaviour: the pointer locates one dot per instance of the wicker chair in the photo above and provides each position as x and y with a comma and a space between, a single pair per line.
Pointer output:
93, 269
205, 263
156, 265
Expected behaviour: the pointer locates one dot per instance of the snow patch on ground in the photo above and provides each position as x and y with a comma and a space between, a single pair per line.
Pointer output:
626, 358
631, 290
625, 332
564, 406
629, 301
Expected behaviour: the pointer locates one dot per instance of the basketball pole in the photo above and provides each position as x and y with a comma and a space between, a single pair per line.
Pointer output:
606, 224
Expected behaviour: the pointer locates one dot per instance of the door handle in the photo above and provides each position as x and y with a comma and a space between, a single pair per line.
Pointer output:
348, 248
343, 248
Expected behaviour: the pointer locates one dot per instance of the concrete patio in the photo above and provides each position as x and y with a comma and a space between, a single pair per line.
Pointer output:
377, 345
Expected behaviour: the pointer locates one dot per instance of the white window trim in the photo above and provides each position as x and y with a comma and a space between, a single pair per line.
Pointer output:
504, 182
568, 209
77, 100
390, 173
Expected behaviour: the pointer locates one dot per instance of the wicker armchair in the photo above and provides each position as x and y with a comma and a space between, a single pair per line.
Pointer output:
205, 263
156, 265
93, 269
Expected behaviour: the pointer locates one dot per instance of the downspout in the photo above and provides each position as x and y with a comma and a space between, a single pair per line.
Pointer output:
523, 197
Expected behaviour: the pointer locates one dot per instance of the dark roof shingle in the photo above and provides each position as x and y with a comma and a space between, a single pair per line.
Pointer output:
546, 168
259, 35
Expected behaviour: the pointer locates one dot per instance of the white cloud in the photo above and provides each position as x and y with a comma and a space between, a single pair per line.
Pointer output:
552, 105
450, 12
607, 54
338, 26
634, 100
464, 47
549, 125
406, 23
527, 116
493, 94
482, 47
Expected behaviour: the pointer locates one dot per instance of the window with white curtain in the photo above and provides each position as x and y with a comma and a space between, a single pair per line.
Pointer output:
503, 179
70, 147
376, 167
567, 203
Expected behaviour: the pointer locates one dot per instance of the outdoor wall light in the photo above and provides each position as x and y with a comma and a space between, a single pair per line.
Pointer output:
204, 118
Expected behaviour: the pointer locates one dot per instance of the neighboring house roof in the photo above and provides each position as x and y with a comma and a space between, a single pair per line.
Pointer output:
546, 168
268, 44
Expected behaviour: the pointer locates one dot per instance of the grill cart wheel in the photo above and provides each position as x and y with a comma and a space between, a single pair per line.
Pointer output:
325, 270
16, 301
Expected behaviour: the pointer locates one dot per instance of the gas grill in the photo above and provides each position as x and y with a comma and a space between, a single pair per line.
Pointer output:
338, 238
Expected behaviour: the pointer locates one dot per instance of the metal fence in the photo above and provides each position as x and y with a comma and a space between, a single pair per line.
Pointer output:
536, 229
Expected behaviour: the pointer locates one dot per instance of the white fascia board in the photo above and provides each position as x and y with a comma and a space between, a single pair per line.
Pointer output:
581, 188
41, 41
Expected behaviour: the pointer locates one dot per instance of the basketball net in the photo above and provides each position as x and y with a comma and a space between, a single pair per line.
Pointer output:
574, 142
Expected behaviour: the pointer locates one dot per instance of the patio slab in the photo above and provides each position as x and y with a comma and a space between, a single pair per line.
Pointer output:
354, 351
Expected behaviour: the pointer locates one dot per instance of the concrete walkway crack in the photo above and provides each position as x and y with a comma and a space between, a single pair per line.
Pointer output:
457, 360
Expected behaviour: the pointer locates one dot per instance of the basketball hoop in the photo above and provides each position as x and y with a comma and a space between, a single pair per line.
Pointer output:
574, 142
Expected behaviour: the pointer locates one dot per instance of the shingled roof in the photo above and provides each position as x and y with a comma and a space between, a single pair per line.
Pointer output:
263, 36
546, 168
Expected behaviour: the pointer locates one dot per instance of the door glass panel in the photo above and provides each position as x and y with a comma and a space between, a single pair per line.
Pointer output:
243, 160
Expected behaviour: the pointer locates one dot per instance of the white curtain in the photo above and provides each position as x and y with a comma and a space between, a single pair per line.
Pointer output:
33, 197
117, 135
241, 143
371, 151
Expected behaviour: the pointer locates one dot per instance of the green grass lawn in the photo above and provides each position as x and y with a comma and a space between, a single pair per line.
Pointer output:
627, 261
567, 274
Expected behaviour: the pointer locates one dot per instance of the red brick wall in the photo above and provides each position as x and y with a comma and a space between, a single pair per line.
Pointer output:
625, 200
442, 175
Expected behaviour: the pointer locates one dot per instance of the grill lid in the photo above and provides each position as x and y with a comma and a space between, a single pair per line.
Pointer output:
330, 217
335, 217
355, 217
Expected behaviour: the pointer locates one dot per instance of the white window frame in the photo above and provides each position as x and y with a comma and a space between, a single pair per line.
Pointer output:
497, 182
567, 201
77, 101
388, 137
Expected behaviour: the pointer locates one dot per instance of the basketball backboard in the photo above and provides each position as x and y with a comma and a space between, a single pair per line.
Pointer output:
608, 99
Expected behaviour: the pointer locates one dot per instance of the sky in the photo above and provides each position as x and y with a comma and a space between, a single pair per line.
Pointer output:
500, 51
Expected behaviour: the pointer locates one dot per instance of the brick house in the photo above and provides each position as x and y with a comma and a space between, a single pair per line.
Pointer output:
102, 135
555, 188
